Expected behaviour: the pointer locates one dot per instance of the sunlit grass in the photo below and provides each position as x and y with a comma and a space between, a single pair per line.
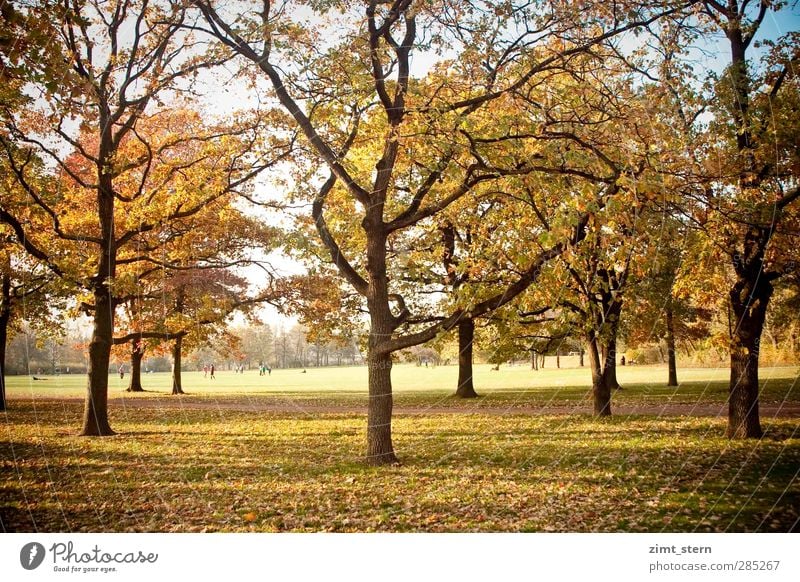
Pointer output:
283, 453
420, 386
175, 469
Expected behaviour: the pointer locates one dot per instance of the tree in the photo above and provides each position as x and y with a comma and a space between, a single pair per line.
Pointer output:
657, 313
389, 139
739, 169
23, 282
765, 195
190, 310
27, 291
110, 184
256, 344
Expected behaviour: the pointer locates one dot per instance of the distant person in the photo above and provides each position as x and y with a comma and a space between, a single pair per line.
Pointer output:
121, 372
622, 361
269, 371
211, 371
205, 370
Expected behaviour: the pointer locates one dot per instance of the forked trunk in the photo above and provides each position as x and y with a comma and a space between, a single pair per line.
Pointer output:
177, 349
466, 335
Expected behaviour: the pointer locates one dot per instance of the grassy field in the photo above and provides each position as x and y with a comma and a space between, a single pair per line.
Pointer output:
511, 386
185, 467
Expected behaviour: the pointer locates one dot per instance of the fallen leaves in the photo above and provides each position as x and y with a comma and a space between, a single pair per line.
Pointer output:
253, 471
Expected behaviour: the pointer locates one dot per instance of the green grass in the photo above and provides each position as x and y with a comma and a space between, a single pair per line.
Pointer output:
178, 467
199, 470
420, 386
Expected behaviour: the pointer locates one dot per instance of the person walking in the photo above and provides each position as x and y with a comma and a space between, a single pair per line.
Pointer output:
211, 372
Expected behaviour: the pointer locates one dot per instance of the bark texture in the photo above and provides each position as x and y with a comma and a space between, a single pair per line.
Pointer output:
466, 336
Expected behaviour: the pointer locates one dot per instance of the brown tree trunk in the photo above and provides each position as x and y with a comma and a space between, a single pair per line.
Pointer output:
558, 359
743, 416
177, 349
613, 310
749, 300
610, 365
5, 317
750, 294
601, 392
671, 361
581, 354
95, 415
379, 412
137, 354
534, 360
379, 362
466, 335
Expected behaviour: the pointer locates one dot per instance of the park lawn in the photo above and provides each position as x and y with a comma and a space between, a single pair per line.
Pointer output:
511, 386
193, 469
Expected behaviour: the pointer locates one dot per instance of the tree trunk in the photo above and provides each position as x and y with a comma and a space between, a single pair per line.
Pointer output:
534, 360
137, 354
382, 325
5, 317
671, 362
558, 359
601, 392
466, 335
177, 348
580, 357
610, 365
749, 300
95, 415
751, 292
743, 416
379, 413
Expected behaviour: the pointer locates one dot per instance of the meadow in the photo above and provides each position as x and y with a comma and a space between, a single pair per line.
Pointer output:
283, 453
